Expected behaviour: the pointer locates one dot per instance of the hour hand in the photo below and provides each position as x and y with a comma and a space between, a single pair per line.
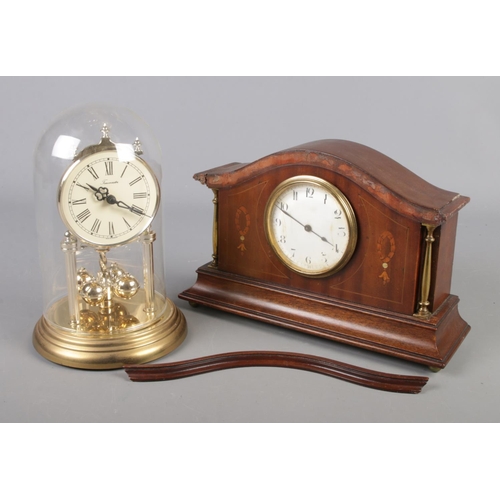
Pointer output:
100, 193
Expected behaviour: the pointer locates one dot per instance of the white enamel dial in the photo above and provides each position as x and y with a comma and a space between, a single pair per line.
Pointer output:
311, 226
108, 201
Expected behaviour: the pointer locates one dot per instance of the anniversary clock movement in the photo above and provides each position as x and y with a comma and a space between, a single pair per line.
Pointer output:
335, 239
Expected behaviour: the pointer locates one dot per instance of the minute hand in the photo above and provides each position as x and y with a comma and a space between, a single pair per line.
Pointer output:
307, 227
135, 210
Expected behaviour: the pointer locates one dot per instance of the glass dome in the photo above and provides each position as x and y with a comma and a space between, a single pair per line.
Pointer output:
97, 188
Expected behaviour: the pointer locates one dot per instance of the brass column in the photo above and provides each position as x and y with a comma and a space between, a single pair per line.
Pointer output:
425, 280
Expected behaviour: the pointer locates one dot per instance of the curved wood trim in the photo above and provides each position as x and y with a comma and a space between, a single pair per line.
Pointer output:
350, 373
382, 177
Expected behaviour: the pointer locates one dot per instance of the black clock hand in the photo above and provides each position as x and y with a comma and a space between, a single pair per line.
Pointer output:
135, 210
292, 217
101, 193
307, 227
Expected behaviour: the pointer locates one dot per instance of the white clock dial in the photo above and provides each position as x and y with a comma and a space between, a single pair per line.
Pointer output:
107, 201
311, 226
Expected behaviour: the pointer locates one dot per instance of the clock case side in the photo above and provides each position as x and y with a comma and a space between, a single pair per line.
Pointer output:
429, 340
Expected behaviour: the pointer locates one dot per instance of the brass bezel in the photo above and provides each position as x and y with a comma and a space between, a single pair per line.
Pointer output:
106, 145
342, 200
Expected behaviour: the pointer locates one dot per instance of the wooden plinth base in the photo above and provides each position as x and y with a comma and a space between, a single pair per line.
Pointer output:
431, 342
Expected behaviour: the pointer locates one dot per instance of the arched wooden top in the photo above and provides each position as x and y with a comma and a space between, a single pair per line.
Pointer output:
385, 179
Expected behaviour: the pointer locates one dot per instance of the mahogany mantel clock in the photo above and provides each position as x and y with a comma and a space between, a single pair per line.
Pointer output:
335, 239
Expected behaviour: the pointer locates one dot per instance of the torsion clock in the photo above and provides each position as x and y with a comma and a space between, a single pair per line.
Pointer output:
97, 183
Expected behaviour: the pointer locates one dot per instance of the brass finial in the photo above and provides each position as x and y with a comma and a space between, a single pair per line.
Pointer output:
138, 146
105, 131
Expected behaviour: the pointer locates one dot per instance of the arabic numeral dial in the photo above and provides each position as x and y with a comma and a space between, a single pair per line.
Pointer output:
311, 226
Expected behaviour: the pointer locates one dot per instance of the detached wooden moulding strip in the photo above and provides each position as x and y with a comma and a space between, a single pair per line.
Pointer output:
343, 371
393, 295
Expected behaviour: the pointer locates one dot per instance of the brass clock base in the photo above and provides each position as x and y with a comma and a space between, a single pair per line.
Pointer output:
105, 351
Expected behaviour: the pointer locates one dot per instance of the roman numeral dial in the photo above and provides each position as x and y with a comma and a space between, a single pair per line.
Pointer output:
106, 200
